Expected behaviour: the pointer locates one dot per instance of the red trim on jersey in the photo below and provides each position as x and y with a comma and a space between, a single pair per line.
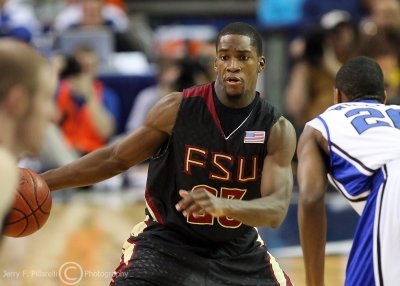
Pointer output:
288, 282
122, 266
205, 91
153, 207
271, 269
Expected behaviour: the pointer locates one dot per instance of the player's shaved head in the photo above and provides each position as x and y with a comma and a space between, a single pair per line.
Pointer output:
20, 66
361, 78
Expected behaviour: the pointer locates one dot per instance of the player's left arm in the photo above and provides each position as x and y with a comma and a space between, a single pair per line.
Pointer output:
311, 174
276, 186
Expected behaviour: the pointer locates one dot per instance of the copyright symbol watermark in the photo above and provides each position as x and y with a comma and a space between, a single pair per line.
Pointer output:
70, 273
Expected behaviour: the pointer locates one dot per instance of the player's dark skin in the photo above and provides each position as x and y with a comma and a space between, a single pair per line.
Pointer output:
237, 65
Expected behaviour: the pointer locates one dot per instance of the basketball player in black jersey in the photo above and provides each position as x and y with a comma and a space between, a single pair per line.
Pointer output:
220, 165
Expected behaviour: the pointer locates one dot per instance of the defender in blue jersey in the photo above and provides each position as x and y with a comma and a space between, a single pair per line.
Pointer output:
220, 165
356, 142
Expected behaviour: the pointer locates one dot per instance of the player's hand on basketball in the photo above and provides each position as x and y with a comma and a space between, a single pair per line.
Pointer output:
200, 201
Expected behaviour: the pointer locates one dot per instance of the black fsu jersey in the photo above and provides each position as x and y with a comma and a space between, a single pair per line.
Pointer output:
199, 155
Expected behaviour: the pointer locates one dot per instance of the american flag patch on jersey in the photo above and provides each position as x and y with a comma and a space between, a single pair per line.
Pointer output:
254, 137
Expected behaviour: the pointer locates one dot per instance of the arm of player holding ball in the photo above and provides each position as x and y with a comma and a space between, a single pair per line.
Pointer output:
120, 156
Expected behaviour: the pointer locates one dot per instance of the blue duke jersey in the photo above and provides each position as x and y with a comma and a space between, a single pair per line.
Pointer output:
199, 155
364, 145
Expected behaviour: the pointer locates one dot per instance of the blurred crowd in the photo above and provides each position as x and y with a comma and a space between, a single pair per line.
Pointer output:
322, 46
322, 35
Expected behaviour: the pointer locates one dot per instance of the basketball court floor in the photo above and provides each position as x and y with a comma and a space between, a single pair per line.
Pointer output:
81, 244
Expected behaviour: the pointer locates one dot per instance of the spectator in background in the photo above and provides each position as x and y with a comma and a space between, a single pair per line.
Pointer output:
92, 17
299, 91
87, 115
384, 17
88, 109
73, 14
118, 3
17, 21
326, 48
384, 20
173, 74
387, 56
205, 61
380, 40
168, 73
314, 10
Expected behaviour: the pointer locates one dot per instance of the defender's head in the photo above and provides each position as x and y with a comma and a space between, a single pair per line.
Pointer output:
360, 78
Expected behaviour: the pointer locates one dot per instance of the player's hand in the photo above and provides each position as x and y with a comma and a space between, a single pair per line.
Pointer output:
200, 201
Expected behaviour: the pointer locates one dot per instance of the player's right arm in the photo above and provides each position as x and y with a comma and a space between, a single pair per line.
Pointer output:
312, 180
120, 156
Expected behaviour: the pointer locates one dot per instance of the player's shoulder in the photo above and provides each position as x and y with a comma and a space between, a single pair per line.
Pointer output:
285, 128
198, 90
341, 111
282, 134
283, 125
171, 99
346, 106
169, 103
332, 113
163, 114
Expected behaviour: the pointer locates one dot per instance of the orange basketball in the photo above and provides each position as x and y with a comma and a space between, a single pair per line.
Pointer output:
31, 207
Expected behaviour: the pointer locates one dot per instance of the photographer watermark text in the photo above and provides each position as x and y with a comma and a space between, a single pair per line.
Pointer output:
69, 273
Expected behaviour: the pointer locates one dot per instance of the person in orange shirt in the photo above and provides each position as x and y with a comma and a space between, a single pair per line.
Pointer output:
88, 109
118, 3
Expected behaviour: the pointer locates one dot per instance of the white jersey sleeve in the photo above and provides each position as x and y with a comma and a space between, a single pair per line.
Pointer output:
362, 137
